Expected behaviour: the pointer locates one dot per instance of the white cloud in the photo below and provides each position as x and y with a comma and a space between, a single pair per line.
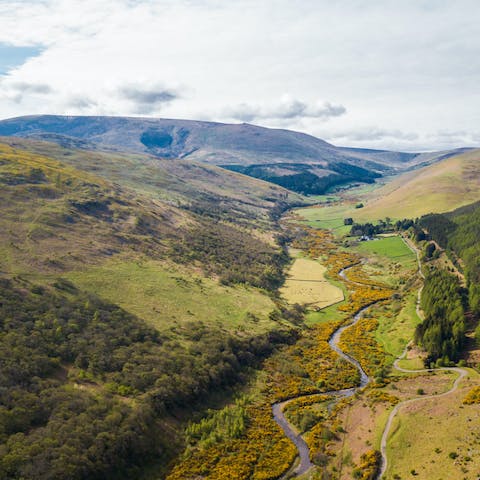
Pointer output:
408, 66
146, 99
374, 134
16, 91
287, 108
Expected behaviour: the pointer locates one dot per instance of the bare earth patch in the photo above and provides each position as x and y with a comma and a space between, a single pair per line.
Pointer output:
361, 421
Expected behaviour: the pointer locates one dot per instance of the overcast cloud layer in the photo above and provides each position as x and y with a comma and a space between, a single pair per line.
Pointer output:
380, 74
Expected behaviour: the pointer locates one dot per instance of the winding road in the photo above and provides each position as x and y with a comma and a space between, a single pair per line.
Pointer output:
305, 464
383, 444
462, 373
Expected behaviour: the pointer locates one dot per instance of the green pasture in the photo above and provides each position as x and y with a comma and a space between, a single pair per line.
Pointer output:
393, 248
166, 296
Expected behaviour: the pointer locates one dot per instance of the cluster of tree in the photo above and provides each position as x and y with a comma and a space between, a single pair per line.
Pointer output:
430, 250
442, 333
235, 255
302, 178
382, 226
219, 425
67, 362
458, 232
439, 227
368, 229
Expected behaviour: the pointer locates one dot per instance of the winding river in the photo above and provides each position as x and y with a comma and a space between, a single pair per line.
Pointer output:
305, 464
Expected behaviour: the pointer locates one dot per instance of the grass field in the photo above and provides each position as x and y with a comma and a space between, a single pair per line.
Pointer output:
396, 329
306, 285
437, 439
393, 260
327, 314
327, 217
393, 248
166, 296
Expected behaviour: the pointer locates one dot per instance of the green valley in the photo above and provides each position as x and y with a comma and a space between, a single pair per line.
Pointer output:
168, 319
239, 240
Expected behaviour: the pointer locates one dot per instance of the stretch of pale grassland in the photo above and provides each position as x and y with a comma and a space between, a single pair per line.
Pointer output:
440, 187
306, 284
166, 295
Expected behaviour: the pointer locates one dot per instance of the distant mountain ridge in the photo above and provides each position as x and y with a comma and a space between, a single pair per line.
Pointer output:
295, 160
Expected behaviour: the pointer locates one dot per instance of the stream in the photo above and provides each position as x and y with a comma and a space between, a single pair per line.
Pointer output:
305, 463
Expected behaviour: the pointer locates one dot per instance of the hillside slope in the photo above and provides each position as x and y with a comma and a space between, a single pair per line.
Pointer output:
56, 216
300, 162
190, 185
122, 310
441, 187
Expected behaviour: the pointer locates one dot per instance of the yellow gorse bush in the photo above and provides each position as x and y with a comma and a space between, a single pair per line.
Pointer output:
472, 397
300, 372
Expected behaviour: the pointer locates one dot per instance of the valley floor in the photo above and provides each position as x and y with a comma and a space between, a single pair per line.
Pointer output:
433, 434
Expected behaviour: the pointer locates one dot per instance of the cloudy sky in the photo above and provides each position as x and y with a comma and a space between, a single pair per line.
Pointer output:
370, 73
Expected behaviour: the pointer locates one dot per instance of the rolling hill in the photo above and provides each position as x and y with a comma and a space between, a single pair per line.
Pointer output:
441, 187
187, 184
297, 161
124, 305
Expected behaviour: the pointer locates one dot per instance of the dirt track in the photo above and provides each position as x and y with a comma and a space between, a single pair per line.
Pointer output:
462, 373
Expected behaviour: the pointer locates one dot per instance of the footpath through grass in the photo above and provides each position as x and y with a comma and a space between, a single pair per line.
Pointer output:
437, 438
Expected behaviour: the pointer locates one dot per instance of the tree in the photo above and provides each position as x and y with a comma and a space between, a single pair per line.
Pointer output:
430, 250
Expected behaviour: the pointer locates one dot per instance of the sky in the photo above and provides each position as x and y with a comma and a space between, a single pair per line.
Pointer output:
402, 75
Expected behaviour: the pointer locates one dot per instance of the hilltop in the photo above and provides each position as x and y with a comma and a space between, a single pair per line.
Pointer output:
297, 161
